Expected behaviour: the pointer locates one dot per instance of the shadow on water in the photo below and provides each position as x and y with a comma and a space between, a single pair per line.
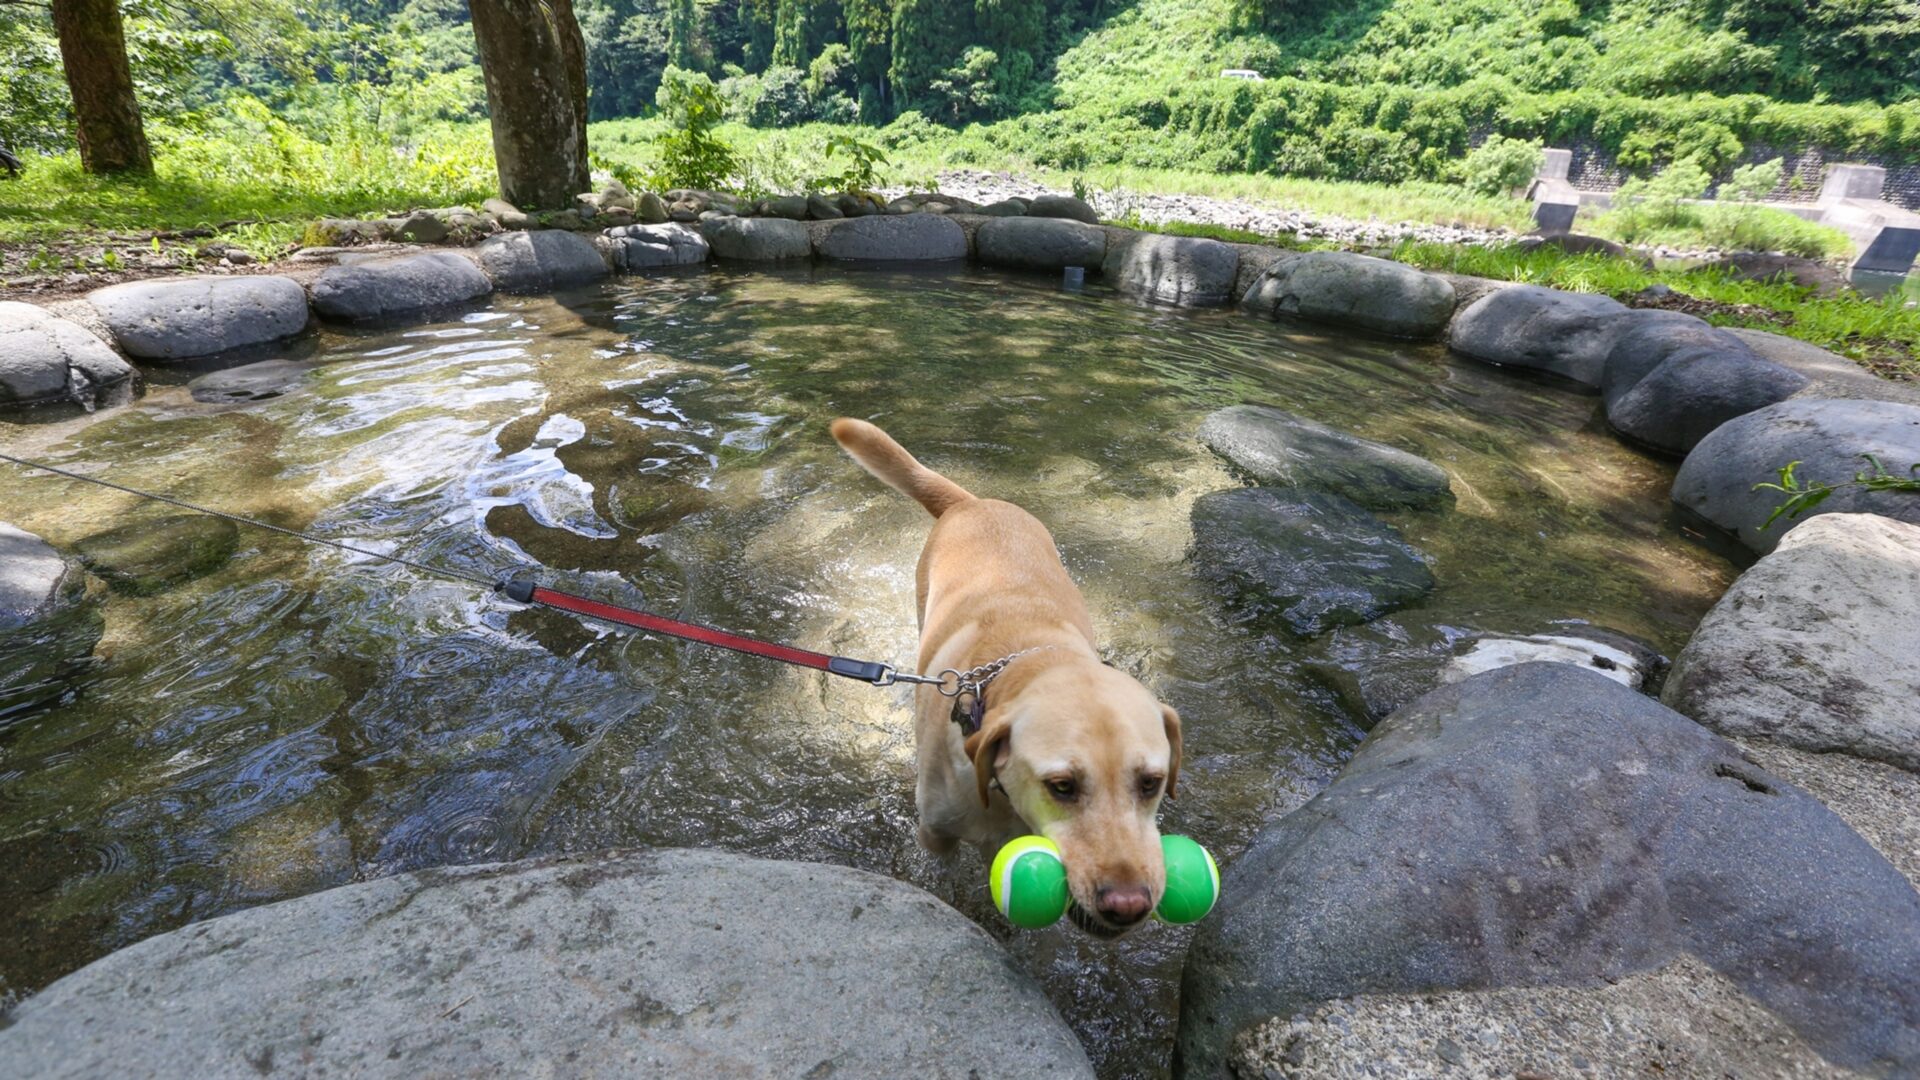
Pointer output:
301, 718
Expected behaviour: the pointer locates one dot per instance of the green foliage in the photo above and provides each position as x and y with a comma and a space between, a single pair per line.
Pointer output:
1501, 165
1751, 183
1656, 211
1804, 496
690, 152
861, 170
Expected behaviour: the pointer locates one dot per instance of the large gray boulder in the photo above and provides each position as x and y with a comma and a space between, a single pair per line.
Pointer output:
1541, 825
540, 259
48, 623
1678, 403
757, 239
1829, 375
176, 318
647, 247
1279, 449
1646, 338
915, 237
382, 288
1527, 326
1040, 243
1309, 559
1184, 270
1063, 206
1353, 290
44, 359
653, 963
1817, 645
1827, 438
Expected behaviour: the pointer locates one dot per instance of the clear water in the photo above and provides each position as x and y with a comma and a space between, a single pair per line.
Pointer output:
301, 718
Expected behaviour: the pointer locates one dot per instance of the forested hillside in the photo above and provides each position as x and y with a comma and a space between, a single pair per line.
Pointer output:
1377, 90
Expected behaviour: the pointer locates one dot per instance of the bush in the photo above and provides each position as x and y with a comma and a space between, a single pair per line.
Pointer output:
1501, 165
1751, 183
691, 154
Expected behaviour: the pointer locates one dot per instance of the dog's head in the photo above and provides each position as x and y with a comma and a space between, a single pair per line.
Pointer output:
1085, 754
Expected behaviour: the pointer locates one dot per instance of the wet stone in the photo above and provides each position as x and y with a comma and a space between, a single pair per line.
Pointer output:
147, 557
1280, 449
1311, 560
48, 624
670, 963
263, 381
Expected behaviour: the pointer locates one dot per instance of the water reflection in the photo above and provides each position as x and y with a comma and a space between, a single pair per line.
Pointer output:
303, 717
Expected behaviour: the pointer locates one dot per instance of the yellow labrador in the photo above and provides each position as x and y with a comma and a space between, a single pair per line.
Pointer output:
1065, 746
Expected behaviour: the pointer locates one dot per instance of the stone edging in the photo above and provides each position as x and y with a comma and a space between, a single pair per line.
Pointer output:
1667, 380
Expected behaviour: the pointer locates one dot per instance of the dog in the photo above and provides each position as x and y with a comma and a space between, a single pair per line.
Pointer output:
1066, 746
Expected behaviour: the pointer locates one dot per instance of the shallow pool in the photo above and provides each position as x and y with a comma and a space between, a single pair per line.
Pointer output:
301, 718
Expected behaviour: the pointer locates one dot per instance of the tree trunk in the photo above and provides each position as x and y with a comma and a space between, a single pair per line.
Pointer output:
536, 69
93, 50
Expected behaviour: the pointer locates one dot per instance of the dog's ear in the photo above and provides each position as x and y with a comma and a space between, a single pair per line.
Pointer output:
989, 748
1172, 721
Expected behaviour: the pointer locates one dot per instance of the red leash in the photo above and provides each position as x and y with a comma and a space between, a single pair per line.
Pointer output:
866, 671
526, 592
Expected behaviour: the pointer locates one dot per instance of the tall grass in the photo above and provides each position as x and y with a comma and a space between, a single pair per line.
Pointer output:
245, 165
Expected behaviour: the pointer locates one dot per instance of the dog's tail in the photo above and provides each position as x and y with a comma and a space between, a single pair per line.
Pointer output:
876, 452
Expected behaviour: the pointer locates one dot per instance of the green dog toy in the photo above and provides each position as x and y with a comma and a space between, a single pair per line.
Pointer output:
1029, 882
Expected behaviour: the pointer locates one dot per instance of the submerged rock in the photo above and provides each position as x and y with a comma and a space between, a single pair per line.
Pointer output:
653, 963
757, 239
1567, 334
1311, 559
45, 359
1040, 243
1817, 645
1279, 449
382, 288
1378, 668
1353, 290
250, 382
911, 237
1183, 270
1543, 825
539, 260
47, 621
175, 318
1827, 437
146, 557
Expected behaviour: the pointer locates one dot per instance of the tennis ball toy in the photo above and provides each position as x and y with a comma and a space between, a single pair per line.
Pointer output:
1193, 881
1029, 882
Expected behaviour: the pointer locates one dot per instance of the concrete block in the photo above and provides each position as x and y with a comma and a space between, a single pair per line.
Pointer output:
1853, 182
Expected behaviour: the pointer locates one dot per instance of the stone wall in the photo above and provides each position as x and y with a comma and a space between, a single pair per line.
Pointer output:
1595, 169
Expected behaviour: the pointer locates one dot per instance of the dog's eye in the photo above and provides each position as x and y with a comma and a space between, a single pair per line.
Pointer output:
1066, 790
1149, 786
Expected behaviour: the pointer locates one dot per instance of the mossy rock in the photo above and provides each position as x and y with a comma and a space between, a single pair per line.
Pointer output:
148, 557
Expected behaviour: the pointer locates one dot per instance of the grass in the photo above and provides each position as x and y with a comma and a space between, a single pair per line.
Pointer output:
253, 180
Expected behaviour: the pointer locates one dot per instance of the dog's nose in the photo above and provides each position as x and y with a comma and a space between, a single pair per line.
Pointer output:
1123, 905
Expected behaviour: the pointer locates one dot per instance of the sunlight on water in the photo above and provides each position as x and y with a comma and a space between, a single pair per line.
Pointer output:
302, 718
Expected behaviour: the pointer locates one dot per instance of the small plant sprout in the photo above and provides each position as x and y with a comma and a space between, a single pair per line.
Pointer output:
1803, 496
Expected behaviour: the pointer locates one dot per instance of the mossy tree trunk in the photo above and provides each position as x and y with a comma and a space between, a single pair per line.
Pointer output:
93, 51
535, 63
